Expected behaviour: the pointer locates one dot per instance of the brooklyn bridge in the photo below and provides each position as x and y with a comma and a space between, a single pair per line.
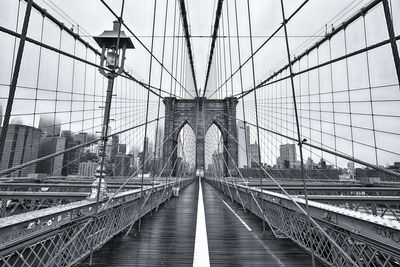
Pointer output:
200, 133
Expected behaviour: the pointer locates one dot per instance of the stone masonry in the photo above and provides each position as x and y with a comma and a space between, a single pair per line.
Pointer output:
200, 113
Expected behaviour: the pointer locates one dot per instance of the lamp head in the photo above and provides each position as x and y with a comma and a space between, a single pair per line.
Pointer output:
109, 39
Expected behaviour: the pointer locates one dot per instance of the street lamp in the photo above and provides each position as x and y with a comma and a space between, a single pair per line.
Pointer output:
112, 43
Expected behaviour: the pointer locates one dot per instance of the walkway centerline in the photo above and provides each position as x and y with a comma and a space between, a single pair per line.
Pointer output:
201, 257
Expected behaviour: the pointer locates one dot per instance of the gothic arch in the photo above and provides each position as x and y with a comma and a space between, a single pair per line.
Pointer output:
200, 114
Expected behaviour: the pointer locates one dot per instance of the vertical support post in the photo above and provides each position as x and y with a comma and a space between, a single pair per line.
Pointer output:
389, 24
14, 81
300, 142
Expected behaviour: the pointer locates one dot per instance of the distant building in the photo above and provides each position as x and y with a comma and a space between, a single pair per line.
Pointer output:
114, 147
309, 164
218, 163
81, 138
150, 149
1, 115
361, 173
122, 165
49, 126
243, 157
255, 156
122, 149
351, 168
160, 140
287, 156
71, 158
87, 169
48, 146
21, 145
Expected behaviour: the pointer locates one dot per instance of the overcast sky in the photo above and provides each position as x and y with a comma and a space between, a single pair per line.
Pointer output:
306, 27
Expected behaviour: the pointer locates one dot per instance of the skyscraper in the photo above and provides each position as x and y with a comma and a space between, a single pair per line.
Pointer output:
242, 133
114, 147
255, 157
1, 115
71, 158
49, 126
21, 145
87, 169
121, 149
287, 155
122, 165
81, 137
48, 146
160, 140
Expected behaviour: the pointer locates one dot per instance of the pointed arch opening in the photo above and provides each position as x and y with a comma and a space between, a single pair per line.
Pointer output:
215, 150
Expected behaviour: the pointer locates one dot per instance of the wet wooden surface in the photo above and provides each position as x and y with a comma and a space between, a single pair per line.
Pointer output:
167, 237
231, 243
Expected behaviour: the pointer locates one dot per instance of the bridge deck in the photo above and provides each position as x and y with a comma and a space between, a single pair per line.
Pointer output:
168, 237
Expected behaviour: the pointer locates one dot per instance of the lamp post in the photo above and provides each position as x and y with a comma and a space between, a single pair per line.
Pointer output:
113, 43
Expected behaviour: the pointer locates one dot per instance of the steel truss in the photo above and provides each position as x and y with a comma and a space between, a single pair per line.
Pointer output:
63, 236
367, 243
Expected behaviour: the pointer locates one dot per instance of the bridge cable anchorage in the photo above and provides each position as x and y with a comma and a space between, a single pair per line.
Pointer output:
213, 40
141, 43
185, 25
294, 202
270, 37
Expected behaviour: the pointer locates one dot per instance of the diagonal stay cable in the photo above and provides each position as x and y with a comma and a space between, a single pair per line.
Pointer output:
261, 46
334, 153
15, 168
151, 191
144, 46
214, 38
296, 203
185, 25
105, 205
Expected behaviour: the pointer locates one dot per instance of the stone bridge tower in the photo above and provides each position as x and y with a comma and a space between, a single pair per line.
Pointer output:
200, 113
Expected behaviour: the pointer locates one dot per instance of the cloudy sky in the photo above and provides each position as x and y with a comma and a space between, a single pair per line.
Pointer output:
332, 121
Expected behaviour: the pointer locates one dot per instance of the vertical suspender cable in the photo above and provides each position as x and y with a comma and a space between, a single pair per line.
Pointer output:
300, 142
256, 106
246, 138
155, 166
229, 42
147, 104
395, 50
173, 51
